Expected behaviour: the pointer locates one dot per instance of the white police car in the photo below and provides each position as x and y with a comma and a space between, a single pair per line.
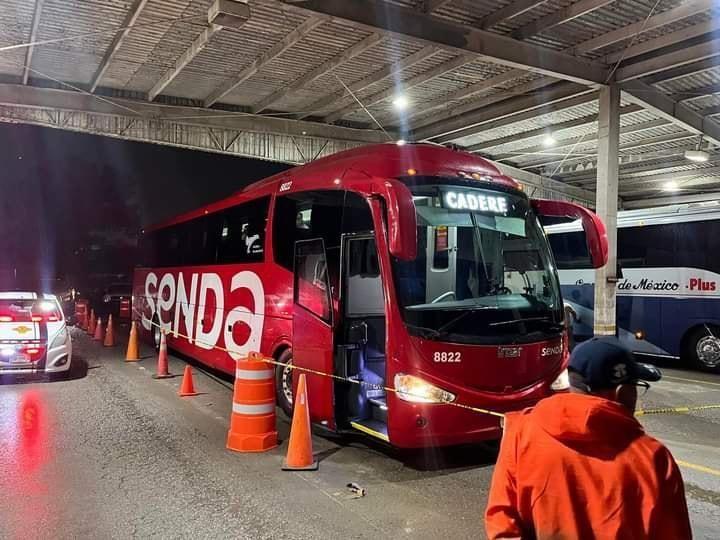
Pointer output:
34, 337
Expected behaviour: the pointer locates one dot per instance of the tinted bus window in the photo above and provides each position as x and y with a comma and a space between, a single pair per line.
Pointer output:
698, 245
241, 232
307, 215
570, 250
649, 246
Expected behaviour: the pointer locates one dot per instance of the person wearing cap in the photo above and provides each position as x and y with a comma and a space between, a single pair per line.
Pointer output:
580, 466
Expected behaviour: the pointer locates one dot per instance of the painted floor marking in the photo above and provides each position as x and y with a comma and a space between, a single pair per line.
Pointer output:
701, 468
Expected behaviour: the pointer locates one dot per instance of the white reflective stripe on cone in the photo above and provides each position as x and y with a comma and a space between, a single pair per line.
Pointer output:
265, 408
252, 375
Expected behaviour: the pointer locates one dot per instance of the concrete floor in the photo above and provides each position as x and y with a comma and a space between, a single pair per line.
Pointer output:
112, 453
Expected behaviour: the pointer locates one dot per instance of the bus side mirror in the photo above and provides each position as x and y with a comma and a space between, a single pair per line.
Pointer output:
401, 220
595, 232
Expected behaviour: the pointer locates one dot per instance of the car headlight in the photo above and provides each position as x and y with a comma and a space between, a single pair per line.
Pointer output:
106, 298
415, 390
60, 339
562, 382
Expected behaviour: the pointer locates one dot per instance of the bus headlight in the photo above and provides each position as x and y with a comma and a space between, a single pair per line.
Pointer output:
562, 382
415, 390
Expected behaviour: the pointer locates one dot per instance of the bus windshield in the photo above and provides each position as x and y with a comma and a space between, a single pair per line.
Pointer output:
484, 272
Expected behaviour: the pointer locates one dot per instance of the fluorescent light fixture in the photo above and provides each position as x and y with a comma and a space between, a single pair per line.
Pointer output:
672, 185
699, 156
400, 103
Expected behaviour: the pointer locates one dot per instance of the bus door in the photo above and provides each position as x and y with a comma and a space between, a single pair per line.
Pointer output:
312, 328
361, 353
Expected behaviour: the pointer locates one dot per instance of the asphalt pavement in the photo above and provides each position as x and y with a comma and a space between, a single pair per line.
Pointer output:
112, 453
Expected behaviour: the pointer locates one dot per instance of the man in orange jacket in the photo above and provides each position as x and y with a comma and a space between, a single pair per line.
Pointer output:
579, 465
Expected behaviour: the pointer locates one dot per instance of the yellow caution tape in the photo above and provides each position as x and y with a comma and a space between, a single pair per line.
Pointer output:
645, 412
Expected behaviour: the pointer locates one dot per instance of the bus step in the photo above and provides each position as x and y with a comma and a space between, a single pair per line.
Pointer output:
379, 409
371, 427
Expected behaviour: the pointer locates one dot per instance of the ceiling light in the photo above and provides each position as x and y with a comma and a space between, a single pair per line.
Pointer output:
400, 142
549, 140
700, 156
672, 185
400, 103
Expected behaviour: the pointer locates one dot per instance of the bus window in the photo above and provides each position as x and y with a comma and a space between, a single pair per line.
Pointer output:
242, 233
698, 245
649, 246
364, 286
570, 250
306, 215
311, 278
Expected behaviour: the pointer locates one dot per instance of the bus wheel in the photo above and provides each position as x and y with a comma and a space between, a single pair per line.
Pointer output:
284, 381
156, 333
703, 348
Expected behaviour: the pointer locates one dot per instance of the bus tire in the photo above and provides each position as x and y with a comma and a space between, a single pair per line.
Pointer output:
283, 383
702, 348
156, 333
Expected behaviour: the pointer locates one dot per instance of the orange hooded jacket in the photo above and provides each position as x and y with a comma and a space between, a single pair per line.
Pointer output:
581, 467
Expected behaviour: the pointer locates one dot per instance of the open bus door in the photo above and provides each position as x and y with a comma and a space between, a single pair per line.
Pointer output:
312, 333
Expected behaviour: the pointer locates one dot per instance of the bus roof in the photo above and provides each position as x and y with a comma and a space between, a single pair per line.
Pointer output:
388, 160
675, 213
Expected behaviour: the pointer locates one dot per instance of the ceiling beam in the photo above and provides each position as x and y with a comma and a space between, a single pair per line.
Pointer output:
710, 111
674, 199
37, 13
268, 56
437, 71
673, 175
431, 5
681, 71
561, 16
508, 111
695, 93
64, 100
376, 15
130, 19
663, 62
553, 128
665, 40
195, 48
513, 9
678, 113
580, 139
389, 70
629, 169
694, 183
569, 157
462, 93
541, 182
323, 69
683, 11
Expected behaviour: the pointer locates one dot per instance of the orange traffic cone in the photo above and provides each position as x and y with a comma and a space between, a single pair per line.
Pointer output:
300, 452
187, 388
162, 363
133, 349
98, 330
109, 334
91, 323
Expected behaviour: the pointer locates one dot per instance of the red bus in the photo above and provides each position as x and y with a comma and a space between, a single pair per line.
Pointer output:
412, 267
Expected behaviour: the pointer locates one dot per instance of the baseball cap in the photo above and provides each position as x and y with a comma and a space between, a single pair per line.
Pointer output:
604, 363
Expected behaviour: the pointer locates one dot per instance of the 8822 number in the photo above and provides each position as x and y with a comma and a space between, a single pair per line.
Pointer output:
446, 357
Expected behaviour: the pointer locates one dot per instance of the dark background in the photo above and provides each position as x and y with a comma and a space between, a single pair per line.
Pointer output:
71, 204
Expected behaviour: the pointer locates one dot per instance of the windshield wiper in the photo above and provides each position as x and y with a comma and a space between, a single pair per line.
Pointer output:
553, 325
443, 330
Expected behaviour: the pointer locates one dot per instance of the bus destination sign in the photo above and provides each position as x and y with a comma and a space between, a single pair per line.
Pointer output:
473, 200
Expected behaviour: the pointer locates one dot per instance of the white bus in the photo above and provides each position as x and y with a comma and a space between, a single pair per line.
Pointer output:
668, 298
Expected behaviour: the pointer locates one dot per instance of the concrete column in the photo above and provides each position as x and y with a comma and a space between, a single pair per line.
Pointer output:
607, 205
